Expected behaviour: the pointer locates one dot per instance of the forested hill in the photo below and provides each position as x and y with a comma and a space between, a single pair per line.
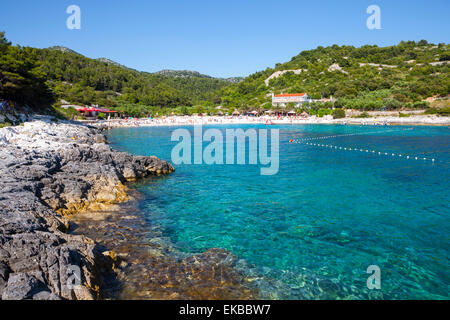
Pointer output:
40, 77
79, 79
368, 77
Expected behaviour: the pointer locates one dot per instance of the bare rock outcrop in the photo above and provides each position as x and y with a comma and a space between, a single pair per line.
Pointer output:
49, 171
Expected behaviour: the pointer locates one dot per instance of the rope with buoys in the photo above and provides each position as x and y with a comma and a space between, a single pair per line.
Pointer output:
359, 149
346, 135
398, 155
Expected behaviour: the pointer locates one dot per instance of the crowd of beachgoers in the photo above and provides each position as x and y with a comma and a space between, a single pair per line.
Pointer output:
269, 120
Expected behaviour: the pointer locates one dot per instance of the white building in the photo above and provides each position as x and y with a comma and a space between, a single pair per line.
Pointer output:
281, 100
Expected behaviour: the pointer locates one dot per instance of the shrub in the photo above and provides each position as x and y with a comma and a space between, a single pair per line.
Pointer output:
392, 104
68, 113
421, 104
409, 105
338, 114
323, 112
5, 124
363, 115
444, 111
431, 111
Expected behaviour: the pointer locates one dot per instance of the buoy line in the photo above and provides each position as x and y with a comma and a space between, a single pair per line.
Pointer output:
344, 135
356, 149
365, 150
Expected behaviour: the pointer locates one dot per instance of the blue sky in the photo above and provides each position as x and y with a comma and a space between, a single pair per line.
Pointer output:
221, 38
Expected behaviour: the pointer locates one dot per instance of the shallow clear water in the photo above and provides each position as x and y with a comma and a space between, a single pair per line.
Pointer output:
332, 212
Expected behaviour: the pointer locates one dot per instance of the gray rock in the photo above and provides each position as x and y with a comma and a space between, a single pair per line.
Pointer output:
22, 286
46, 295
48, 169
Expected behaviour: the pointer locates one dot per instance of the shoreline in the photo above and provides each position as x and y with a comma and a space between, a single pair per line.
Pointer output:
212, 120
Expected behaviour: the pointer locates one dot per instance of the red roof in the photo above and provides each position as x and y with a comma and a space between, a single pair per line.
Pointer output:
290, 95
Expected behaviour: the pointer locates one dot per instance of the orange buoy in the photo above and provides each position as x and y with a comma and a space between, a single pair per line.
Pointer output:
291, 141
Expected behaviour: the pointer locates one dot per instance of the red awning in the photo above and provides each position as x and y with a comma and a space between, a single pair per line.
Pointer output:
85, 109
95, 110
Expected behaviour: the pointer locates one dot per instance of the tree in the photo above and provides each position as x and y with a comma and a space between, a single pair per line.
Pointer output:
338, 114
21, 77
445, 56
3, 42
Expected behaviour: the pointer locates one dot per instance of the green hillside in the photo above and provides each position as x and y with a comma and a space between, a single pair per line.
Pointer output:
79, 79
369, 77
40, 77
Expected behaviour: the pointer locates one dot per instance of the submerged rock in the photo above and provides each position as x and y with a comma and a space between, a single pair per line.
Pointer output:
49, 171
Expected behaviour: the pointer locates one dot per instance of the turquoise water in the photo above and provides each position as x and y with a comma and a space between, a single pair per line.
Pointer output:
331, 212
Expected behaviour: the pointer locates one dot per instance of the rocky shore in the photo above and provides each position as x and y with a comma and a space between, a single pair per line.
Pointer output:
48, 172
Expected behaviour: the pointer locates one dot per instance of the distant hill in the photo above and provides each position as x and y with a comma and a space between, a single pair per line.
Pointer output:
369, 77
195, 74
63, 49
234, 79
182, 74
108, 61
